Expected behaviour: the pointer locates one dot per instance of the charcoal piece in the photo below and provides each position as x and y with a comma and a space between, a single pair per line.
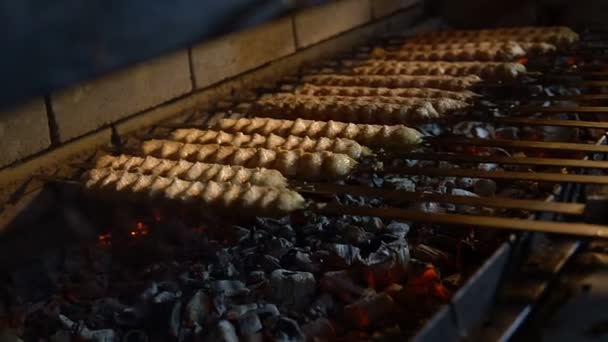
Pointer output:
83, 332
322, 305
272, 224
166, 297
341, 284
321, 328
238, 234
287, 330
267, 310
59, 336
428, 207
292, 289
368, 310
229, 287
33, 282
198, 308
175, 319
269, 263
465, 182
302, 261
343, 256
355, 235
374, 224
249, 324
219, 303
485, 187
224, 331
388, 264
401, 183
255, 278
135, 335
105, 308
430, 254
236, 311
149, 292
278, 247
398, 229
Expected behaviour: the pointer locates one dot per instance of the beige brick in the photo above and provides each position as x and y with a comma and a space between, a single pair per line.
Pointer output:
381, 8
89, 106
236, 53
319, 23
24, 130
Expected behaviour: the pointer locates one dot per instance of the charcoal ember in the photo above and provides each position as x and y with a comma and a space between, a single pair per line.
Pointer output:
355, 235
83, 332
292, 289
249, 324
398, 229
229, 288
198, 308
368, 310
342, 285
485, 187
342, 256
393, 290
320, 328
278, 247
286, 329
453, 281
388, 264
237, 310
223, 331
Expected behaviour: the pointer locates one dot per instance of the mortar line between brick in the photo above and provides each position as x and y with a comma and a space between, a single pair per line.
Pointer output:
52, 121
191, 70
296, 42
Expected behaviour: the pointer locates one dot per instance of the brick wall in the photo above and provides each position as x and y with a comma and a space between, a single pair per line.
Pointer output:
154, 90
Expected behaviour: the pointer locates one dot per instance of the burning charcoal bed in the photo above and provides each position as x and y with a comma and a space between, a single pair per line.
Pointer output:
354, 202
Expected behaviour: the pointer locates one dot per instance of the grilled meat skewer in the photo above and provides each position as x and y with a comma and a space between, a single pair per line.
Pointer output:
194, 172
297, 164
271, 141
370, 135
259, 200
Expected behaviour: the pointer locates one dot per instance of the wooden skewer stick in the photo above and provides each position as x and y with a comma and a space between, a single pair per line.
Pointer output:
566, 228
505, 175
413, 196
517, 144
531, 161
560, 109
520, 121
